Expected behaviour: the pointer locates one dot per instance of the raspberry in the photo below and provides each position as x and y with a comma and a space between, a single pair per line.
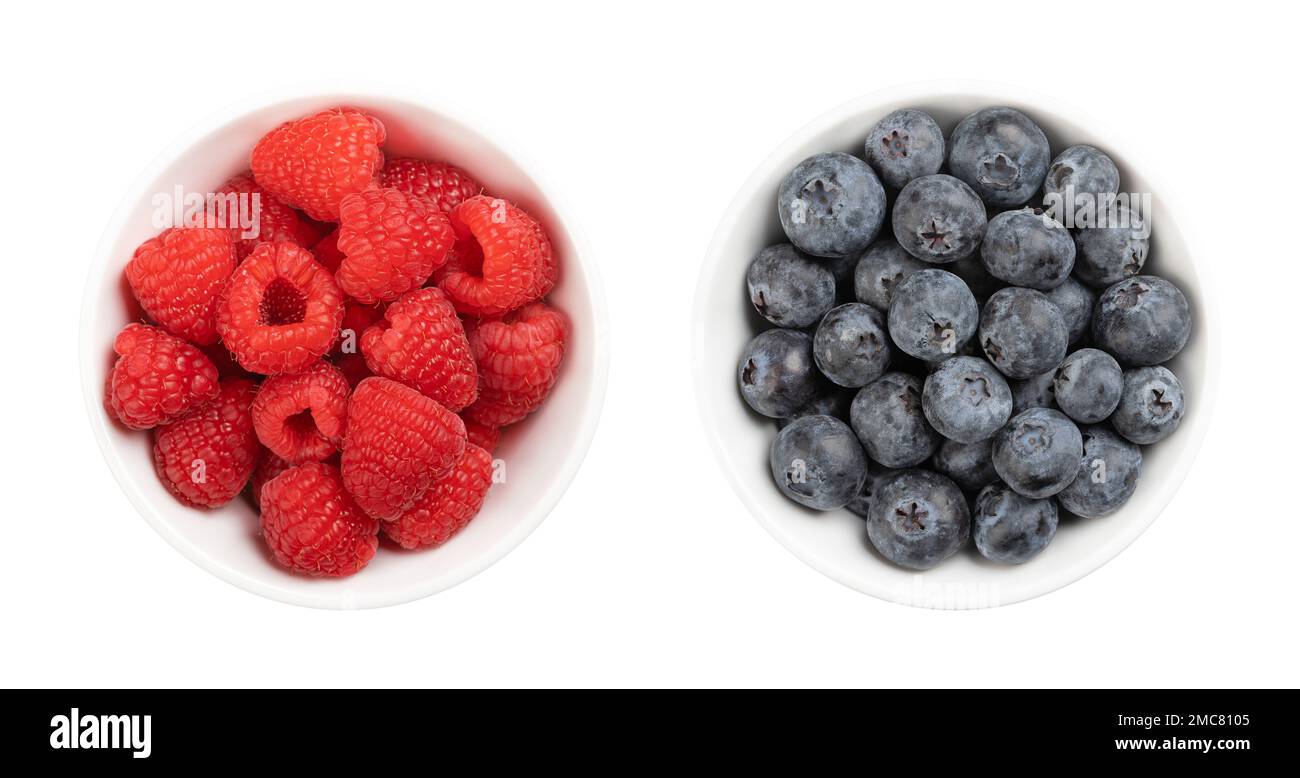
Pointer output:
281, 310
481, 435
206, 457
447, 506
158, 377
518, 359
354, 368
502, 259
327, 251
300, 417
275, 220
268, 467
398, 442
313, 526
421, 343
311, 163
178, 276
446, 185
391, 242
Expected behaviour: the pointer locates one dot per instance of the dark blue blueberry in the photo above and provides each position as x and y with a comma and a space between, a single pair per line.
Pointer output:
1084, 170
1087, 385
830, 400
851, 347
1033, 392
876, 477
880, 270
970, 465
932, 315
904, 145
939, 219
788, 288
831, 205
1112, 250
1009, 527
1028, 248
777, 374
966, 400
1037, 452
981, 283
1108, 475
918, 519
1022, 333
1001, 154
817, 462
1076, 302
1151, 405
1142, 321
886, 414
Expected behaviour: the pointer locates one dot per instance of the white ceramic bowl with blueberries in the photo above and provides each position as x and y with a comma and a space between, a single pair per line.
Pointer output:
542, 453
952, 348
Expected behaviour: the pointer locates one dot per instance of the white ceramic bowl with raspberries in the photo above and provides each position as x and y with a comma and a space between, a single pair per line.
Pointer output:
541, 454
835, 542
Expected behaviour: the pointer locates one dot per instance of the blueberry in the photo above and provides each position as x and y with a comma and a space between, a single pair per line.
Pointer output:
939, 219
882, 268
851, 347
970, 465
904, 145
777, 373
876, 477
831, 205
830, 400
1028, 248
1108, 475
1009, 527
1113, 249
981, 283
1037, 452
1084, 170
1001, 154
1033, 392
1022, 332
966, 400
918, 519
932, 315
1076, 302
1151, 405
788, 288
886, 414
817, 462
1142, 321
1087, 385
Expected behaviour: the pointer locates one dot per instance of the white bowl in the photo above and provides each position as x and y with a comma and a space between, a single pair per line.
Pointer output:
835, 542
542, 453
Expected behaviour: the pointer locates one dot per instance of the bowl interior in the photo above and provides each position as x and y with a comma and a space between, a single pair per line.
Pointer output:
540, 455
835, 542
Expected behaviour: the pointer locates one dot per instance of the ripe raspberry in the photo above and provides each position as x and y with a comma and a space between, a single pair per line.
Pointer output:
447, 506
391, 244
178, 276
313, 526
481, 435
158, 377
421, 343
354, 368
281, 310
446, 185
311, 163
275, 220
268, 467
398, 442
518, 359
327, 251
300, 417
502, 259
206, 457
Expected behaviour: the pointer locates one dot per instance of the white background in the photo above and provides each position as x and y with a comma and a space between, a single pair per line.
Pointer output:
649, 572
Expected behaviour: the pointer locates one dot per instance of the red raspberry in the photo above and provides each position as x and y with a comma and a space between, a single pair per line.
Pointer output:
275, 220
268, 467
447, 506
178, 276
354, 368
311, 163
281, 310
300, 417
158, 377
421, 343
391, 244
327, 251
397, 443
502, 259
518, 359
481, 435
206, 457
446, 185
313, 526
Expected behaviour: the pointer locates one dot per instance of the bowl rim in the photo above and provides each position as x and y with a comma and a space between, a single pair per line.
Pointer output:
90, 341
918, 92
